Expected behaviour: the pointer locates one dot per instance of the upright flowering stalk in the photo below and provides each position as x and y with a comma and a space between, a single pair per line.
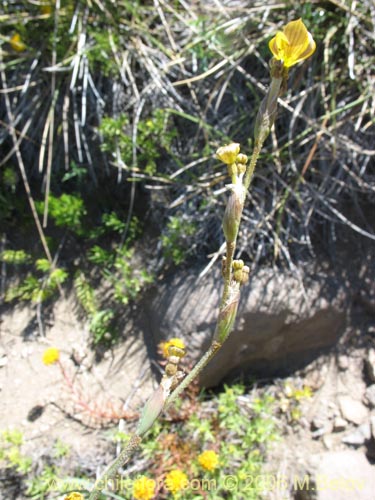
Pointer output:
290, 46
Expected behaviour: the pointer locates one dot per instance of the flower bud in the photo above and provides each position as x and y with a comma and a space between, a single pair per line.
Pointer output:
171, 369
245, 275
238, 264
227, 317
173, 350
241, 158
228, 154
241, 274
233, 212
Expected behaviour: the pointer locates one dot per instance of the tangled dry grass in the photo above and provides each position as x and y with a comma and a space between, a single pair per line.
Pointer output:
206, 64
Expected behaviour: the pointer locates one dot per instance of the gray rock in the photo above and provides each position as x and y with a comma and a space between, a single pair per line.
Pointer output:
370, 365
339, 475
370, 396
339, 424
372, 425
343, 362
278, 329
359, 436
352, 410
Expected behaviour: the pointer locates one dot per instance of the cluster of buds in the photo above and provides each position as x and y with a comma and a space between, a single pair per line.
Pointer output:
240, 272
236, 163
174, 358
155, 404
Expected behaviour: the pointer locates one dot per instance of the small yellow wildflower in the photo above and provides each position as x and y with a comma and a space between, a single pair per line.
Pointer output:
74, 496
46, 9
228, 154
176, 342
16, 43
208, 460
144, 488
175, 481
51, 356
293, 44
306, 392
296, 414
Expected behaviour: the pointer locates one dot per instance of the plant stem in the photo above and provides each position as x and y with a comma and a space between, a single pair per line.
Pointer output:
120, 461
231, 246
250, 169
126, 454
214, 347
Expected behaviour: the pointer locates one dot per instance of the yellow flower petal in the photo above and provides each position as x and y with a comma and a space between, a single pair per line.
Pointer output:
51, 356
164, 346
296, 33
293, 44
16, 43
175, 481
144, 488
75, 496
228, 154
208, 460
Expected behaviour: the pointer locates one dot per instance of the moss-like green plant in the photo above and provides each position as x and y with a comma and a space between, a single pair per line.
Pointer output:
11, 441
35, 287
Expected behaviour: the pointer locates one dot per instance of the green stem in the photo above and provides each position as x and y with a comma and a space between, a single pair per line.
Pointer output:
214, 347
250, 169
231, 246
110, 473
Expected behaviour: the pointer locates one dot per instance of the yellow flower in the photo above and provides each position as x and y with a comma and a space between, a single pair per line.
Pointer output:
228, 154
175, 481
176, 342
208, 460
51, 356
144, 488
293, 44
46, 9
16, 43
74, 496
